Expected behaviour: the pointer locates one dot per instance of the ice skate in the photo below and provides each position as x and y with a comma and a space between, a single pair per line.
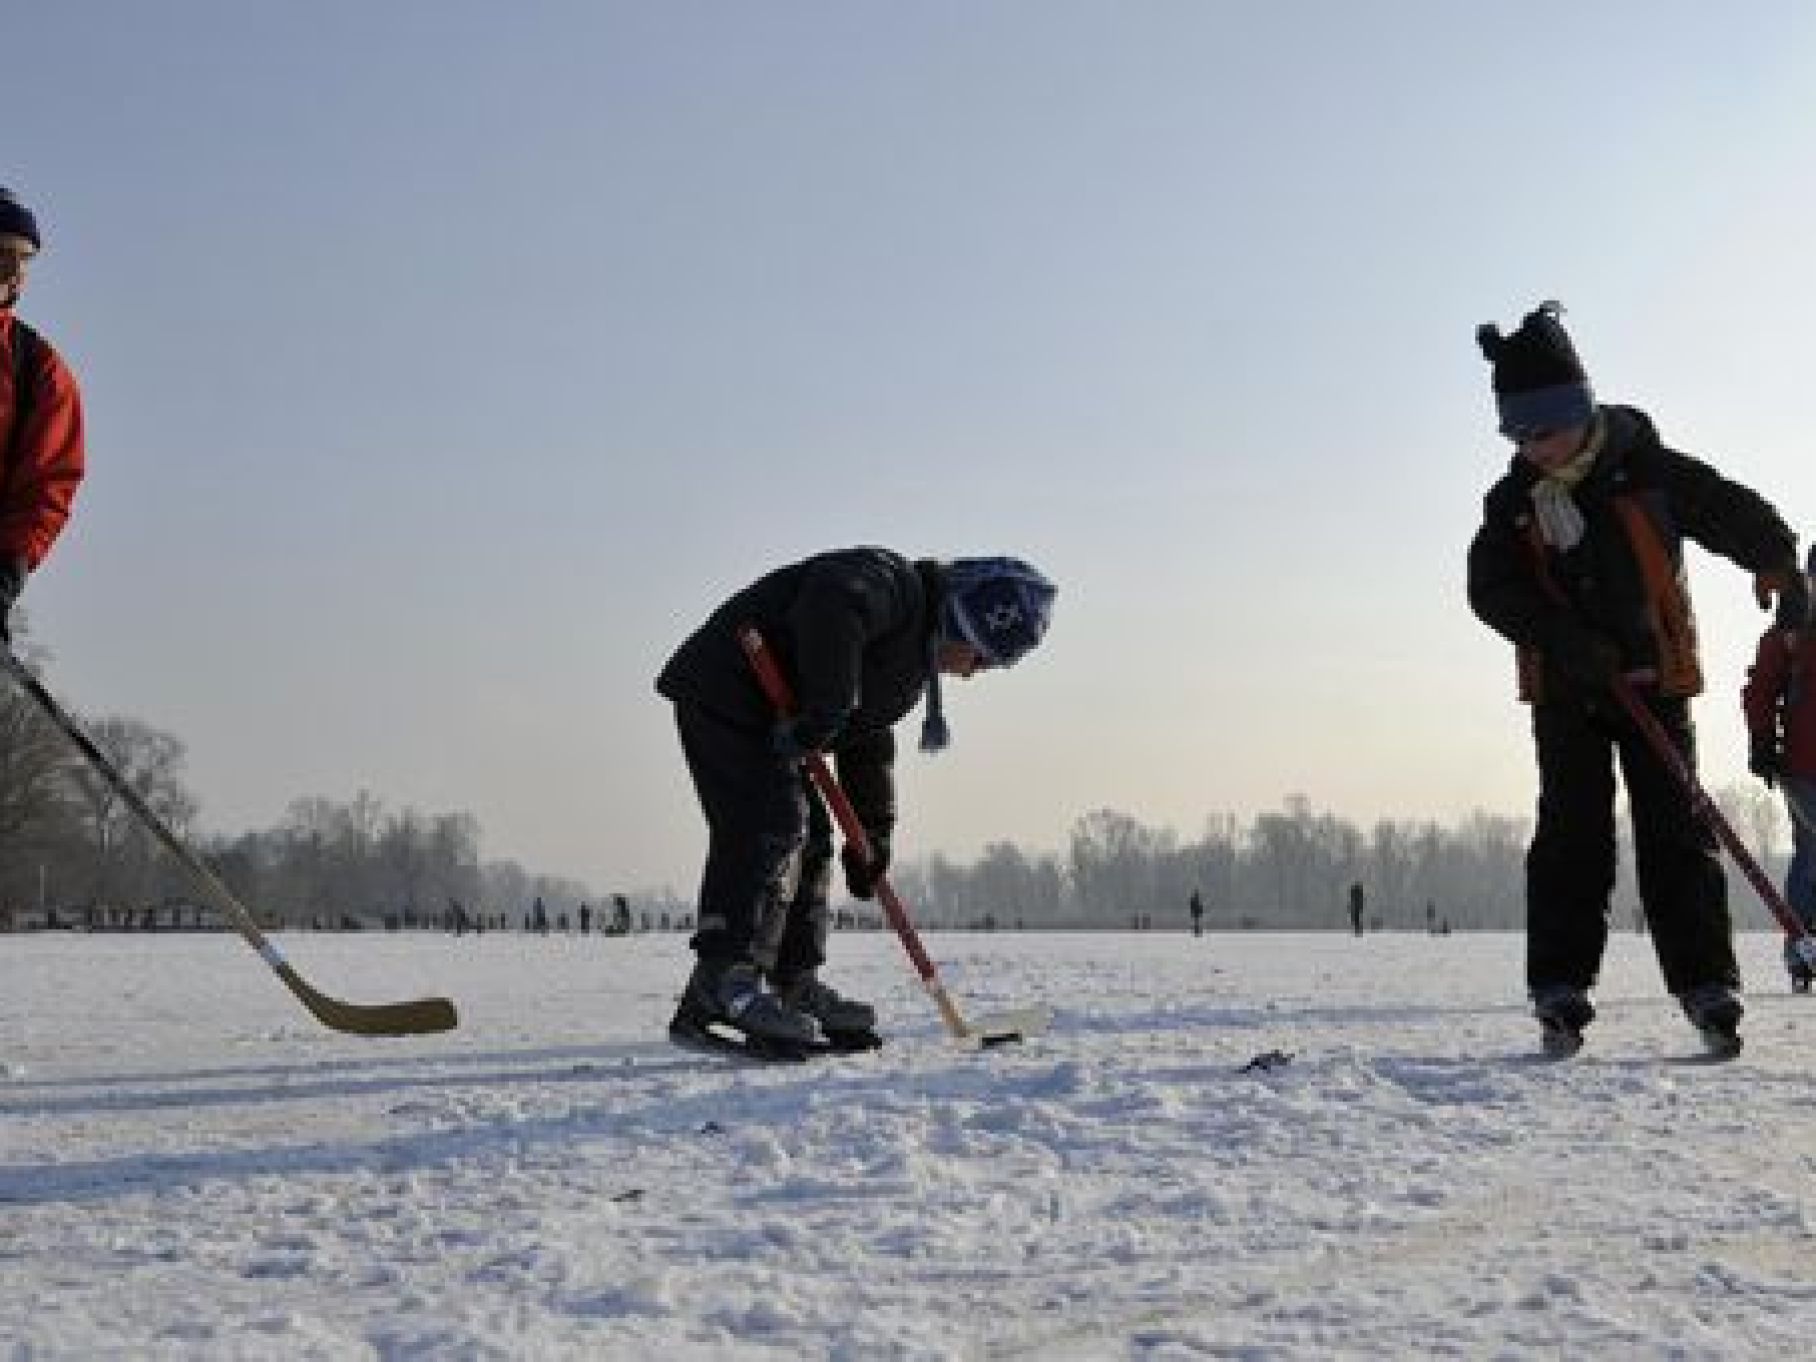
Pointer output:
726, 1008
1798, 965
1563, 1010
1715, 1011
847, 1023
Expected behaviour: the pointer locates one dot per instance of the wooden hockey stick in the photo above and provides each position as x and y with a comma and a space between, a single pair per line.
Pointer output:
1002, 1029
418, 1017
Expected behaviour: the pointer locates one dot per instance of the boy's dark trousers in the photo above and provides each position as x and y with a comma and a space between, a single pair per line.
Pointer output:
1570, 866
764, 892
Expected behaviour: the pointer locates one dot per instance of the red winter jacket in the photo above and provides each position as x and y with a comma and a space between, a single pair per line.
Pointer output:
1780, 696
44, 466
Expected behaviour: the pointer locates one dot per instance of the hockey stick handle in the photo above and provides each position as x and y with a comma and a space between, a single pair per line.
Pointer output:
416, 1017
1711, 814
224, 899
781, 695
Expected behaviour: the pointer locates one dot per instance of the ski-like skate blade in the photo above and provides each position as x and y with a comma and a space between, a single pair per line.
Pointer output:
1719, 1045
1560, 1042
703, 1041
848, 1043
1007, 1028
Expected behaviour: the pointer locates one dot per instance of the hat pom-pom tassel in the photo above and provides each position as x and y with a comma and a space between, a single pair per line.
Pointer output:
936, 736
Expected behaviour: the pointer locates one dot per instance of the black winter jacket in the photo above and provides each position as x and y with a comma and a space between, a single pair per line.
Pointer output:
1601, 577
853, 631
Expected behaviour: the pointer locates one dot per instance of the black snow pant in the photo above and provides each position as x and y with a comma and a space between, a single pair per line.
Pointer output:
768, 878
1570, 865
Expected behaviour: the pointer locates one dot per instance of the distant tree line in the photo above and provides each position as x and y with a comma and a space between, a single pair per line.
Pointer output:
335, 864
1291, 869
72, 854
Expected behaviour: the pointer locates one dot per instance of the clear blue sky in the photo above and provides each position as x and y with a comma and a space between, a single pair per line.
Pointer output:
446, 362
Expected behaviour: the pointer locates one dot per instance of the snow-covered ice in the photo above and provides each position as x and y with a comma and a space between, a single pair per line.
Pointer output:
191, 1167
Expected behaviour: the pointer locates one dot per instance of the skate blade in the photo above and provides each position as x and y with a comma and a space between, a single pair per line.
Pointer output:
849, 1042
1558, 1041
751, 1049
1721, 1044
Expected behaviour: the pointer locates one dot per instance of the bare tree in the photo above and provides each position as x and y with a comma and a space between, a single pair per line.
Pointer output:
122, 863
34, 794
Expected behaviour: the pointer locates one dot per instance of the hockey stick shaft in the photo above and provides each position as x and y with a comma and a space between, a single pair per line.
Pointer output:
781, 695
383, 1019
1712, 816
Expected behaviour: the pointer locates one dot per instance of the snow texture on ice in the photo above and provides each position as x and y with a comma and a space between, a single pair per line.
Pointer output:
190, 1167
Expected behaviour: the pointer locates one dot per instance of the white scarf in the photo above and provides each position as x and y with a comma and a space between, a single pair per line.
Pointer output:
1560, 520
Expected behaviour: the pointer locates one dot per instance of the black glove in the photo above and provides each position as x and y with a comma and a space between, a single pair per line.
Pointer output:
1765, 760
12, 582
797, 735
1582, 659
861, 876
1794, 603
1790, 589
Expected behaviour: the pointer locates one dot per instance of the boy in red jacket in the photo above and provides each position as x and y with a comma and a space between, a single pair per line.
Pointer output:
41, 451
1780, 703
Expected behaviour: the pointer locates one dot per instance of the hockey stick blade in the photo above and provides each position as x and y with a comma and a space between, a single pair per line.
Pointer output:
418, 1017
1007, 1028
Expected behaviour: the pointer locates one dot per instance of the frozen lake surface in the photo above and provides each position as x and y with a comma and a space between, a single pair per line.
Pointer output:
191, 1167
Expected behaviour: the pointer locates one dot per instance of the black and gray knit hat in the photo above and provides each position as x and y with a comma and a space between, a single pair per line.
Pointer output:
1540, 385
17, 220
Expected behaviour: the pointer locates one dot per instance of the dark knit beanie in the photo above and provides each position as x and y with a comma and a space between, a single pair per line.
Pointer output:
1540, 385
16, 219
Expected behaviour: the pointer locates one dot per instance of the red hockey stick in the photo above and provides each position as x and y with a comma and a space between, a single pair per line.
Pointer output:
998, 1030
1801, 939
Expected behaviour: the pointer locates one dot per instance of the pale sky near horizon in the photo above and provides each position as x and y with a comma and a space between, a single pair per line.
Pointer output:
447, 362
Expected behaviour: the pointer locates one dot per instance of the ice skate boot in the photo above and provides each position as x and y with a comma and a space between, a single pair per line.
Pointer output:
1715, 1011
1563, 1010
725, 1007
847, 1023
1797, 965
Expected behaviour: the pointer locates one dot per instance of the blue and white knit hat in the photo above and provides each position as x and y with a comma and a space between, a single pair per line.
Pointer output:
1001, 607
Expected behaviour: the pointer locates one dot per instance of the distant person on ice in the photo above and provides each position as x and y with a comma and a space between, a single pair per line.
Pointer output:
1779, 700
861, 634
1579, 563
41, 448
